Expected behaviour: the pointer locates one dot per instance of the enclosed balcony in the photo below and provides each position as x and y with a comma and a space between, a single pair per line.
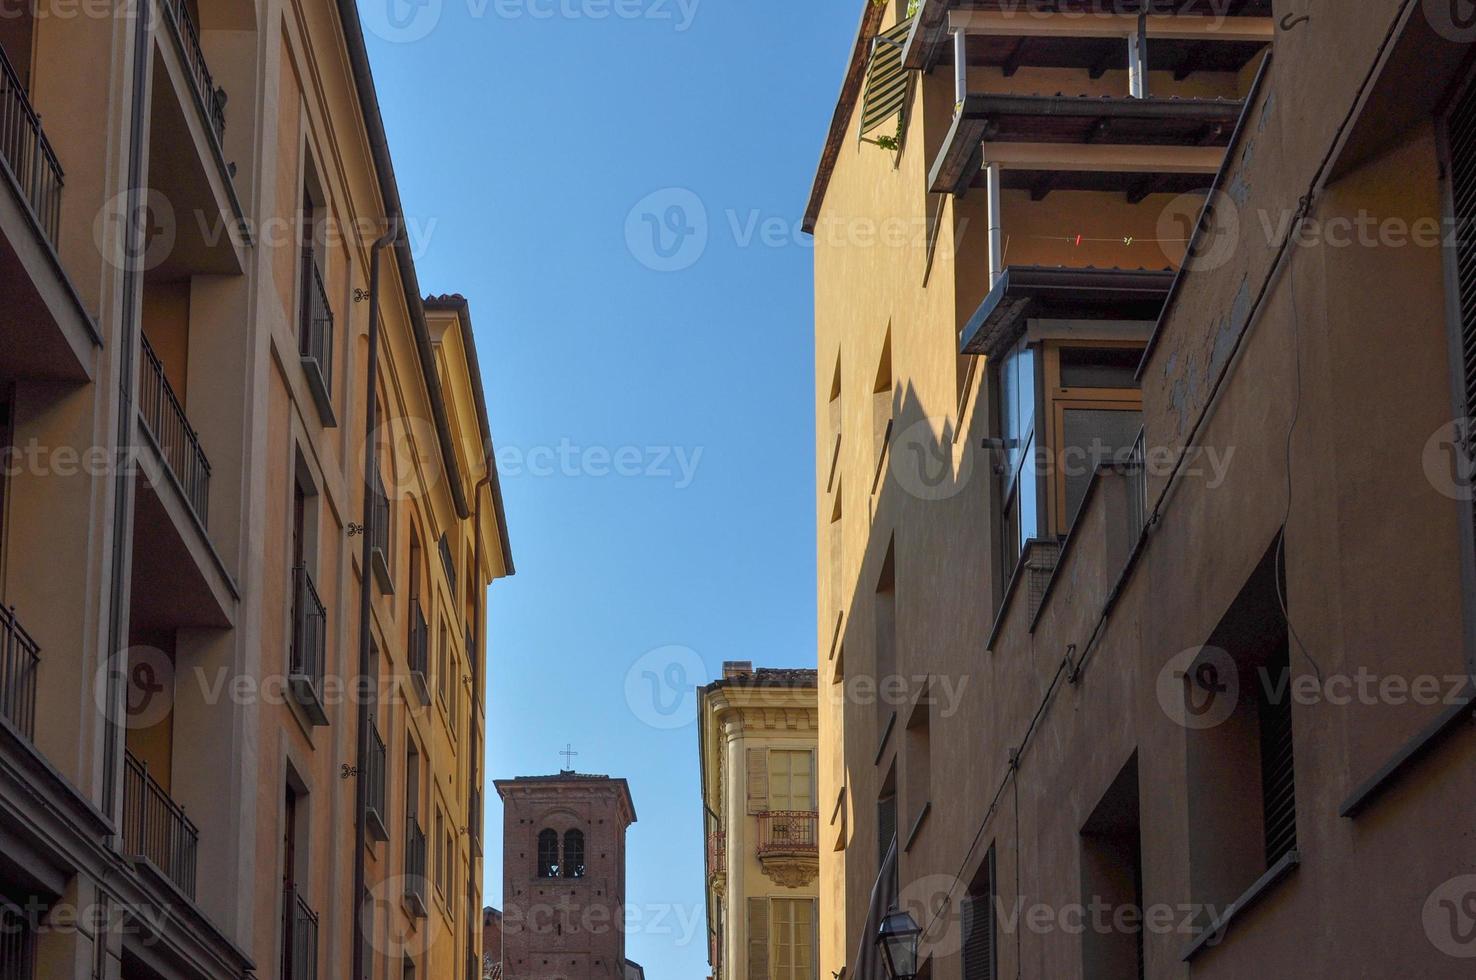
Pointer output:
309, 646
299, 937
45, 330
156, 832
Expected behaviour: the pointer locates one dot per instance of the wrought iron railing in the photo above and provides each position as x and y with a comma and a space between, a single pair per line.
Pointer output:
379, 505
17, 943
27, 153
415, 861
309, 632
177, 440
299, 937
717, 853
1135, 470
474, 819
20, 658
156, 828
315, 331
419, 640
789, 832
375, 784
444, 547
212, 98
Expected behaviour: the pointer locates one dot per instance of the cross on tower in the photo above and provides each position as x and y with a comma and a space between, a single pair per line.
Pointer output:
568, 753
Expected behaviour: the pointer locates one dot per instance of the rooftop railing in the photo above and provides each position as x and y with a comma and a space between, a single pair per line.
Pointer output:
27, 153
156, 828
177, 440
20, 658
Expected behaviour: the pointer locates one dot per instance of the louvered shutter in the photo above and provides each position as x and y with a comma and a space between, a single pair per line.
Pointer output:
886, 79
758, 939
758, 781
978, 924
1461, 133
1278, 765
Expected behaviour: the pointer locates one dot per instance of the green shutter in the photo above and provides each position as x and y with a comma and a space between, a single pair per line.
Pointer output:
886, 79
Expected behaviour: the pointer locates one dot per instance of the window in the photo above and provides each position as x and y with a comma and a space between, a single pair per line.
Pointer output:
443, 858
917, 770
980, 930
793, 938
573, 854
881, 402
884, 608
886, 816
1112, 875
791, 780
548, 853
443, 664
1020, 511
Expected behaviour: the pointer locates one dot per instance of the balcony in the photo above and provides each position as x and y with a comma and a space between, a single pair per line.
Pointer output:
717, 861
155, 828
211, 99
375, 810
419, 652
379, 541
46, 333
19, 660
315, 336
415, 868
789, 846
177, 441
17, 943
309, 645
299, 937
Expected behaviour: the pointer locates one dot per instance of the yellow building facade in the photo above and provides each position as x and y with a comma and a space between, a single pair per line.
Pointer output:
248, 519
758, 737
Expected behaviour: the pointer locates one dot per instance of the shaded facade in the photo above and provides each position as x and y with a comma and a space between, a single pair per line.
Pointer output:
757, 734
1142, 490
248, 518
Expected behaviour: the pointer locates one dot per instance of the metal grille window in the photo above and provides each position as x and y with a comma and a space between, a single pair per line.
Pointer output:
886, 79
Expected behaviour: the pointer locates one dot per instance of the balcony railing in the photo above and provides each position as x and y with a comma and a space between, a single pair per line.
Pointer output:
419, 652
1137, 476
379, 540
19, 660
17, 943
315, 333
444, 547
474, 819
27, 152
375, 815
309, 645
156, 828
717, 853
415, 866
789, 832
177, 440
212, 98
299, 937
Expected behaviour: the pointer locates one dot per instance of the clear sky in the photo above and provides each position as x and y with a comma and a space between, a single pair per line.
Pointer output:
648, 362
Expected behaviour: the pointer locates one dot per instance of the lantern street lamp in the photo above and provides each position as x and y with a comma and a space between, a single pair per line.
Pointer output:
898, 941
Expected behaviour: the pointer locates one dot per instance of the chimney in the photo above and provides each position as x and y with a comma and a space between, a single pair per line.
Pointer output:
737, 668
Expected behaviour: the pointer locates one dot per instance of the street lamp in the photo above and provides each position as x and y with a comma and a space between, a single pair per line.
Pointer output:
898, 941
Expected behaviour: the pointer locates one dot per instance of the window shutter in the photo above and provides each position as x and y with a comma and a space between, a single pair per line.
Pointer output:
886, 825
815, 938
886, 79
1461, 135
758, 780
814, 782
978, 922
1278, 766
758, 939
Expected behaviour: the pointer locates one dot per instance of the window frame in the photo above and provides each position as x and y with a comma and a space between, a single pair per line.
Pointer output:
781, 930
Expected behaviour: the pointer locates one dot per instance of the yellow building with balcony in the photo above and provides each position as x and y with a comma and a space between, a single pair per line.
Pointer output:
757, 733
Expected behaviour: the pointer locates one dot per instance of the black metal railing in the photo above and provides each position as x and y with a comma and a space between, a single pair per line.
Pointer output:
1135, 470
315, 331
379, 505
474, 818
419, 640
789, 832
415, 861
17, 943
27, 152
299, 937
212, 98
444, 546
309, 631
156, 828
20, 658
374, 775
177, 440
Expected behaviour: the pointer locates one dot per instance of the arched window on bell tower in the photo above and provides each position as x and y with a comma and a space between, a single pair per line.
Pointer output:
548, 853
574, 854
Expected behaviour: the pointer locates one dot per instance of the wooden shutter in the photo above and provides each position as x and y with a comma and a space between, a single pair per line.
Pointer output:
758, 780
978, 923
1461, 139
758, 939
886, 79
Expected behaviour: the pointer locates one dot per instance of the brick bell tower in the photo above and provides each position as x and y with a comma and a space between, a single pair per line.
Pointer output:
563, 876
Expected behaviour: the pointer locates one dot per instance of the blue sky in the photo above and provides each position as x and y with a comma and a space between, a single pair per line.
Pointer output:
655, 427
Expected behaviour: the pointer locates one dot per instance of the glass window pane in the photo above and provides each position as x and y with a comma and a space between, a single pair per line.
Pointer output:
1099, 367
1092, 436
1029, 510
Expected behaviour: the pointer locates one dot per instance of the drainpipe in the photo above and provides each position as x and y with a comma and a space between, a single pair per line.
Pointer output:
1138, 59
960, 70
366, 595
996, 228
